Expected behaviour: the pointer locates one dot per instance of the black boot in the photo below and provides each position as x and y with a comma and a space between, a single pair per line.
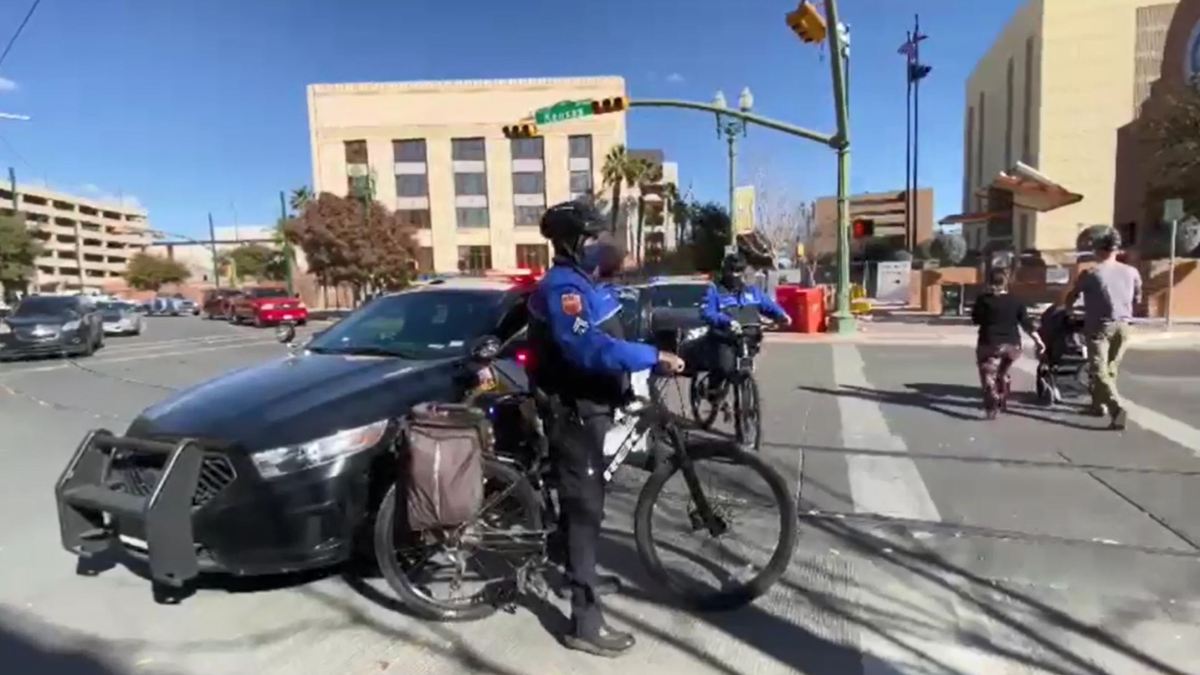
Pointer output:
607, 641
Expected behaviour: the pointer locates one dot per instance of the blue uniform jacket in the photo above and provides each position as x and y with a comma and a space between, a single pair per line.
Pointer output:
573, 308
719, 301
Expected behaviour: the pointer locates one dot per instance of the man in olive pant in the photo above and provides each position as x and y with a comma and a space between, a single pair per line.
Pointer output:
1110, 291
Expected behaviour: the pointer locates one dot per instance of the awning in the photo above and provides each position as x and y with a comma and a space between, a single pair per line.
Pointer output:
969, 218
1031, 189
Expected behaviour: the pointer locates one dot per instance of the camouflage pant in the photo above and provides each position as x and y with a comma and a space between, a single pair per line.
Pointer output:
1106, 348
994, 362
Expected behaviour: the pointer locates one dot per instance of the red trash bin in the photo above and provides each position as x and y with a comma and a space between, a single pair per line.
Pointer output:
811, 304
791, 299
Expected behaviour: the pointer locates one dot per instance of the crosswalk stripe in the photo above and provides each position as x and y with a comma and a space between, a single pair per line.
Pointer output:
1168, 427
886, 485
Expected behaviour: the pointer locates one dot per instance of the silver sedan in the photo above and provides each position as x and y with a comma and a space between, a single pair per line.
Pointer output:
121, 318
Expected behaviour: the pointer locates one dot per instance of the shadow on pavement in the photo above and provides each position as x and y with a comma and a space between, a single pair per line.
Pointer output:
904, 398
20, 655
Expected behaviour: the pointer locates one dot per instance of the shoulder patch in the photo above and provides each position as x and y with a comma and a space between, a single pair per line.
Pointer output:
572, 304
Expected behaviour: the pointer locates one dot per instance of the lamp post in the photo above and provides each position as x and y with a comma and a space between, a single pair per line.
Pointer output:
731, 128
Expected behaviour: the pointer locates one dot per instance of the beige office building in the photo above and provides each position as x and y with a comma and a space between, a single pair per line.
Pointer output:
438, 155
1051, 93
85, 242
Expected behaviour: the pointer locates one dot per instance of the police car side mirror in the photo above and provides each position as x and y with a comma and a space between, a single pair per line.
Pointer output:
484, 349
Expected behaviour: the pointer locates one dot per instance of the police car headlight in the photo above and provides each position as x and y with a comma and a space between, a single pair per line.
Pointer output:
335, 447
71, 325
695, 333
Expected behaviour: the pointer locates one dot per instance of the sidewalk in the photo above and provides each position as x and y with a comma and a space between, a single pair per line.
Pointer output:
905, 327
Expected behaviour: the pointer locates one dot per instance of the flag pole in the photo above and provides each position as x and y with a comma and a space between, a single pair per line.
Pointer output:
916, 210
908, 143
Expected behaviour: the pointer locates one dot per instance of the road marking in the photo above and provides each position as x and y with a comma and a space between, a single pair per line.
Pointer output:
887, 485
142, 357
1151, 420
892, 486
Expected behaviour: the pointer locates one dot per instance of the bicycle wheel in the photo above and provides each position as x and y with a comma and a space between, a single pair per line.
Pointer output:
747, 408
415, 563
759, 527
704, 409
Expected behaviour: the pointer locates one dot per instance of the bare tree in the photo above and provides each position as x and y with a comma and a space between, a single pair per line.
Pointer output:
780, 214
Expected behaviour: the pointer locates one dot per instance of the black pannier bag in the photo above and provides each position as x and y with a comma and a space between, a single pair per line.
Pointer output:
441, 466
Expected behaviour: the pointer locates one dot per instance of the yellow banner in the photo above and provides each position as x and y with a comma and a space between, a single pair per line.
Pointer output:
743, 209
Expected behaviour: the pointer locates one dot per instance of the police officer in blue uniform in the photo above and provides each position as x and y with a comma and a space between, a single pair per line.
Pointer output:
571, 354
728, 295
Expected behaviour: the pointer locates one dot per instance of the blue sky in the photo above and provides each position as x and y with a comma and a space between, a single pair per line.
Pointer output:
195, 106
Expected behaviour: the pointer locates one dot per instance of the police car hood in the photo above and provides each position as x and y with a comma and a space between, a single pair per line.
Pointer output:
295, 399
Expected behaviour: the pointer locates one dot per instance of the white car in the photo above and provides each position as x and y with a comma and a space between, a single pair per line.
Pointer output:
121, 318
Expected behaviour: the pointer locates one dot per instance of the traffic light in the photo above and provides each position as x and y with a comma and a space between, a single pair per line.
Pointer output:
521, 130
862, 228
807, 22
610, 105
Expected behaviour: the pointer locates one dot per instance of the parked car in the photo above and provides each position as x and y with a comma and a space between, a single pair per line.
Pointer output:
121, 318
217, 303
46, 325
280, 466
264, 306
165, 305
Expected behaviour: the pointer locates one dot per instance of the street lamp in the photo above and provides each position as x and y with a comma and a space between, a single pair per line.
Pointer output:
731, 128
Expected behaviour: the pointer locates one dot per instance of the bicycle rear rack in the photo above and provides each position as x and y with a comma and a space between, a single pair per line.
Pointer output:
91, 504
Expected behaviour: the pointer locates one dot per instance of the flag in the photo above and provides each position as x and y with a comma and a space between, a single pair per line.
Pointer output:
909, 48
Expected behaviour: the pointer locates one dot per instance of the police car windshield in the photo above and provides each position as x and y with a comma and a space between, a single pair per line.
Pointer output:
676, 295
417, 325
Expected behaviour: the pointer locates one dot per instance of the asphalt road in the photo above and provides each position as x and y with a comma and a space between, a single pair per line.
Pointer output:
932, 541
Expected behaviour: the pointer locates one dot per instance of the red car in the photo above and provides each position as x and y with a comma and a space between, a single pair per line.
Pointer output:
264, 306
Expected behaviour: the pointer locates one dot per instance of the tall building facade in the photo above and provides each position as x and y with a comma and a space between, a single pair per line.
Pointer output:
884, 210
84, 242
1052, 92
437, 154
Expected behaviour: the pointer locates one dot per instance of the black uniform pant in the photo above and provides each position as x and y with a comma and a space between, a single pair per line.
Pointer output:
577, 453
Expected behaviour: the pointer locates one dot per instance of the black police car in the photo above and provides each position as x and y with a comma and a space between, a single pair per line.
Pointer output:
279, 467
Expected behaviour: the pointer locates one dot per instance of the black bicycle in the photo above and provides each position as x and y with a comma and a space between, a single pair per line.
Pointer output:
737, 398
739, 508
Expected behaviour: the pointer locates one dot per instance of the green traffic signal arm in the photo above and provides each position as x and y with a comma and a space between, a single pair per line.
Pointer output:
826, 139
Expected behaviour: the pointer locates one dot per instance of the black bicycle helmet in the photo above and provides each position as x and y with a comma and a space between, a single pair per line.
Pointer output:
569, 221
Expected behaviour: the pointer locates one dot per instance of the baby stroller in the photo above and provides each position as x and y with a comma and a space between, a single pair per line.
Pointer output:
1062, 372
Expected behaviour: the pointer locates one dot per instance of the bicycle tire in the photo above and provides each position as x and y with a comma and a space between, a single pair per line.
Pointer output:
394, 573
643, 530
748, 385
695, 396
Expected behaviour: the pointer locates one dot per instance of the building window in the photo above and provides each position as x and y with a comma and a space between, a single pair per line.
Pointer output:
356, 152
468, 149
529, 183
1027, 108
527, 148
528, 216
470, 184
474, 258
418, 218
412, 185
533, 256
1009, 86
409, 150
471, 217
579, 152
981, 132
425, 259
969, 168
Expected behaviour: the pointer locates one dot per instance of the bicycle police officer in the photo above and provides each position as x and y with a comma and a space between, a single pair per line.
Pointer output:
570, 353
729, 294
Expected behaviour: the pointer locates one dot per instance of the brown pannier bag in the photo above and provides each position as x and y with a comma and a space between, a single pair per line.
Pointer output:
442, 466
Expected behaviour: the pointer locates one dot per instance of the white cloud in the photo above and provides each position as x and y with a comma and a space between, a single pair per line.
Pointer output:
675, 78
7, 84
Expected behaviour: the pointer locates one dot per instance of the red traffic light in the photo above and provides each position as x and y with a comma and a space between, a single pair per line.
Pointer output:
862, 228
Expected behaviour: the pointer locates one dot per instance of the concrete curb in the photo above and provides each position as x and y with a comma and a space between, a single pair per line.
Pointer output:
1188, 340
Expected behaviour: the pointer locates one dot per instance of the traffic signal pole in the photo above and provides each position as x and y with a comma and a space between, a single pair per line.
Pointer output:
843, 319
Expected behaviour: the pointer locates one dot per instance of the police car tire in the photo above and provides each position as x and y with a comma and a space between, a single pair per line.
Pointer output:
731, 598
394, 573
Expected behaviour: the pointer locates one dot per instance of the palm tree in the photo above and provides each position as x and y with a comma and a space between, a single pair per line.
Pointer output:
644, 174
619, 169
300, 198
